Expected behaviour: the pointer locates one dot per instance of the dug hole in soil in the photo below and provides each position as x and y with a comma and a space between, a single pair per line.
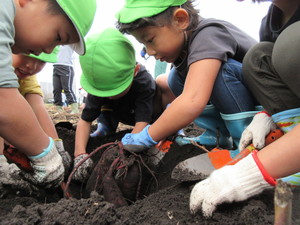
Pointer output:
166, 204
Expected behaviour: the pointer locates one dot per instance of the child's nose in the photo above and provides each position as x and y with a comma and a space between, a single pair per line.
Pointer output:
151, 51
30, 67
49, 49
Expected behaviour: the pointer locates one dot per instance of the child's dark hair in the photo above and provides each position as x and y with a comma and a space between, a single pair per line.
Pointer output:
162, 19
55, 9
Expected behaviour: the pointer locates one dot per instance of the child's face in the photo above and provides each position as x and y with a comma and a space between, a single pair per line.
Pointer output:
122, 94
37, 30
164, 43
26, 66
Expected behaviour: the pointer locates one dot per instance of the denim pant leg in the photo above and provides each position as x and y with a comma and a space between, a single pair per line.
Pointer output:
176, 82
230, 94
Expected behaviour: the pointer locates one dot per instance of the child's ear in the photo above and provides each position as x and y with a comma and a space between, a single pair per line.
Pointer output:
181, 18
136, 69
22, 3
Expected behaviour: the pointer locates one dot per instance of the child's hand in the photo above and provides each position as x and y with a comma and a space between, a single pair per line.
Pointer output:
83, 171
230, 183
256, 132
138, 142
11, 178
67, 160
48, 168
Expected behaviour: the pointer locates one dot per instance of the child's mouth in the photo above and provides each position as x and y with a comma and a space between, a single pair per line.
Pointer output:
22, 74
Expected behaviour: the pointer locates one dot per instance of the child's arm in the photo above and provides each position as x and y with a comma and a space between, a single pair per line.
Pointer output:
190, 104
138, 127
81, 137
37, 104
18, 124
183, 110
38, 107
281, 158
1, 146
250, 176
20, 127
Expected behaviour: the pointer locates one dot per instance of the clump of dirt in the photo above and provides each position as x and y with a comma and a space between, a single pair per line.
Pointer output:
165, 204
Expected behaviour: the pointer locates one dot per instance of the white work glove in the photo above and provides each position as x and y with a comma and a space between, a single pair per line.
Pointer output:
66, 158
256, 132
230, 183
83, 171
48, 169
11, 179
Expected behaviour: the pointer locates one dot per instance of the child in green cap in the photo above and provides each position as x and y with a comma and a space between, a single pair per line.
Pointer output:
33, 27
206, 77
26, 67
112, 78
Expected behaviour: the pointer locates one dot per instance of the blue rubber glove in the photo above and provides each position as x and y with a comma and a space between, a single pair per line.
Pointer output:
138, 142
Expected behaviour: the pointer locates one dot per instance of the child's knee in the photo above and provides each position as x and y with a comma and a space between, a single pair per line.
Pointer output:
162, 82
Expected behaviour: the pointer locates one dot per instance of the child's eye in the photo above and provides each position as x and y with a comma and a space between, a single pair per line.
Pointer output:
150, 40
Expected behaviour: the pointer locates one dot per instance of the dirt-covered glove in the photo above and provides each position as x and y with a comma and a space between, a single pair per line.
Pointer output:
48, 169
83, 171
230, 183
66, 158
11, 178
138, 142
256, 132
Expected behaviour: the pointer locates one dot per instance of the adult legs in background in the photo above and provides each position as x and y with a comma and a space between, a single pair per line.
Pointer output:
67, 83
57, 88
272, 71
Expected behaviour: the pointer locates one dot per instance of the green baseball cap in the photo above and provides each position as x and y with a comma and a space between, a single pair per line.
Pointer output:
51, 58
136, 9
108, 65
81, 13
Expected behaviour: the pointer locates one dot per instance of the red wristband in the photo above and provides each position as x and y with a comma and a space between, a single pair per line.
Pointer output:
263, 171
264, 113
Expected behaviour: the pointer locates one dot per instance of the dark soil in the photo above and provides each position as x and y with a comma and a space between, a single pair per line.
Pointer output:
167, 204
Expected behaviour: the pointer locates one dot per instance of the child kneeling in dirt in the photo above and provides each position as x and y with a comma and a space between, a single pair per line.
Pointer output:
206, 77
26, 67
119, 90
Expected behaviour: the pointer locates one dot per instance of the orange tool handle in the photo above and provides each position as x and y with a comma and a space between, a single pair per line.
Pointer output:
13, 155
271, 137
164, 146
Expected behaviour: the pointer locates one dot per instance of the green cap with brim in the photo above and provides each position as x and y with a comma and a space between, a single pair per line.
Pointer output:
81, 13
50, 58
108, 65
136, 9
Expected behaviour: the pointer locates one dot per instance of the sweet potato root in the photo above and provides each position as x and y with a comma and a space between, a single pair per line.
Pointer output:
111, 190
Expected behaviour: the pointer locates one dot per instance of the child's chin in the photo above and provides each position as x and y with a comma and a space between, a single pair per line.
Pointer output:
21, 77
